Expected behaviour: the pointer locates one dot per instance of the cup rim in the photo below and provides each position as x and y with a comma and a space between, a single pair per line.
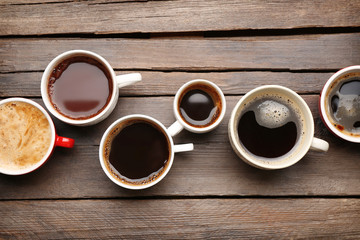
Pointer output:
250, 159
53, 137
45, 95
188, 126
111, 127
322, 106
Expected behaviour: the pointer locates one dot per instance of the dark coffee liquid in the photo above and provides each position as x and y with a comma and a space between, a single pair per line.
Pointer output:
263, 141
139, 153
198, 108
80, 87
345, 105
268, 128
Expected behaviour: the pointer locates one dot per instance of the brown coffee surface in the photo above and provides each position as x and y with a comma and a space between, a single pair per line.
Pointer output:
25, 135
199, 105
137, 153
80, 87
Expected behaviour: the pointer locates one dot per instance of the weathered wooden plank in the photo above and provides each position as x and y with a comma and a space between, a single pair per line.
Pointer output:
25, 2
211, 169
182, 219
320, 52
100, 17
167, 83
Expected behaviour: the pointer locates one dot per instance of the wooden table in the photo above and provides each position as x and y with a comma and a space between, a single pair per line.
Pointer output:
209, 193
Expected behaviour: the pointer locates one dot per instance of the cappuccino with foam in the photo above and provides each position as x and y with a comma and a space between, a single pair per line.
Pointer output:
25, 135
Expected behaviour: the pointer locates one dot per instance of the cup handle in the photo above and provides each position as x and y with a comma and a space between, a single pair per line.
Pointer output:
127, 79
319, 145
175, 128
183, 147
64, 142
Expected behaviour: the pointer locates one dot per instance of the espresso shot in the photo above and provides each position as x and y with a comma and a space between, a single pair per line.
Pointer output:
199, 105
80, 87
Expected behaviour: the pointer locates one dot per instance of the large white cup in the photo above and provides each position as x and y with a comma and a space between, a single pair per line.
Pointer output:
117, 82
125, 121
305, 141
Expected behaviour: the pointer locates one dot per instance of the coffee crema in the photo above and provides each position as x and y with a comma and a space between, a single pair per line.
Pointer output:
80, 87
25, 135
199, 105
269, 126
343, 101
136, 152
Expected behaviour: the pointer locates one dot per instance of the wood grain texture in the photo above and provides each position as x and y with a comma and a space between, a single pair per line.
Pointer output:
212, 169
182, 219
320, 52
157, 83
100, 17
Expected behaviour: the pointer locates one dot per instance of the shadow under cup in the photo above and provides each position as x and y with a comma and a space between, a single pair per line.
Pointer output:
298, 111
136, 152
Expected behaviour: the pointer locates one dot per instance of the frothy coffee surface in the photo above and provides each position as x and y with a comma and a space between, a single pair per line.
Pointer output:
269, 126
272, 114
25, 135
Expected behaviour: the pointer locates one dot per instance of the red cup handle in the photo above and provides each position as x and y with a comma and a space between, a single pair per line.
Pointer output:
64, 142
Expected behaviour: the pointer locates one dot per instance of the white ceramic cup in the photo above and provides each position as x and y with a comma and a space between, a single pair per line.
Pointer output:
117, 82
56, 141
205, 85
122, 122
305, 141
324, 103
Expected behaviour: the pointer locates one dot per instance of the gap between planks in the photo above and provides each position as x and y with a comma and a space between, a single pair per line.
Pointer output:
253, 33
184, 197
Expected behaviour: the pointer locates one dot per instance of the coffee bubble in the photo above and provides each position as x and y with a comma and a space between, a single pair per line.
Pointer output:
272, 114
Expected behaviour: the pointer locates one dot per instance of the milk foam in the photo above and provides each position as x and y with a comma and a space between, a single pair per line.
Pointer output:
25, 135
272, 114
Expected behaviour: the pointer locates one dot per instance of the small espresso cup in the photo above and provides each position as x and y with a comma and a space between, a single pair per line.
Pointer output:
27, 136
199, 106
137, 151
80, 87
272, 127
340, 104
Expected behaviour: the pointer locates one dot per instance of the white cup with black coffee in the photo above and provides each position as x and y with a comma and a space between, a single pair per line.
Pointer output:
199, 106
272, 127
137, 151
340, 104
80, 87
